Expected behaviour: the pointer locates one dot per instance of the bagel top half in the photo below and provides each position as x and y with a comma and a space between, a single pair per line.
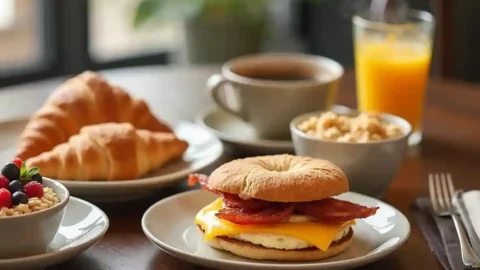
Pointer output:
280, 178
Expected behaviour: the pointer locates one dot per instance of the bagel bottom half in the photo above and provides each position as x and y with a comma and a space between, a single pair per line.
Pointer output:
257, 252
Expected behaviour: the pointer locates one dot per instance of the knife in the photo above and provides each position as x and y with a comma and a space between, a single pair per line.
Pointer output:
467, 223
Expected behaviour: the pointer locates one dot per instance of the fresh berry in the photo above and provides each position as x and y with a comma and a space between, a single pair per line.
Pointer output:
15, 186
37, 177
4, 182
5, 198
11, 171
19, 198
18, 162
33, 189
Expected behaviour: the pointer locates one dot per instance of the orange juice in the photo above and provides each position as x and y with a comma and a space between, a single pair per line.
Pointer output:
392, 76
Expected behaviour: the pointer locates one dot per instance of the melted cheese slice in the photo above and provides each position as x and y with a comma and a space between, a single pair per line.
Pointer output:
318, 234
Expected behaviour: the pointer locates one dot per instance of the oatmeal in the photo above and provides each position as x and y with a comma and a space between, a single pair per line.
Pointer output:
366, 127
34, 204
22, 190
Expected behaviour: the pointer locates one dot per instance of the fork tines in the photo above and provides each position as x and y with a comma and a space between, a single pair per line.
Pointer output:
441, 191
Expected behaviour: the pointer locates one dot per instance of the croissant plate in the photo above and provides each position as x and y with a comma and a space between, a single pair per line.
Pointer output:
86, 99
109, 151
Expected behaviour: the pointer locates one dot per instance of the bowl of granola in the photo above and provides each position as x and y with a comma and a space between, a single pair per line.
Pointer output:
31, 208
368, 147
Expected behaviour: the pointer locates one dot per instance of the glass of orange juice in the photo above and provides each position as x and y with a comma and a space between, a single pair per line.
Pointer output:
392, 63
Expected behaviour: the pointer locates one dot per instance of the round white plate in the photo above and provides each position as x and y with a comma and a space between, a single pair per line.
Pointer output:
204, 150
375, 237
240, 137
83, 226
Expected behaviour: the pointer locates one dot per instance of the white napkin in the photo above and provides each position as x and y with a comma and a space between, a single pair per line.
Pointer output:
471, 200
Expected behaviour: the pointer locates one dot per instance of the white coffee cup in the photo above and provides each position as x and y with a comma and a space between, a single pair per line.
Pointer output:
271, 89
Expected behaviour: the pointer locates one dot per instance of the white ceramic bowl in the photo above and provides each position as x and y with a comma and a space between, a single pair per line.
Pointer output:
369, 167
31, 234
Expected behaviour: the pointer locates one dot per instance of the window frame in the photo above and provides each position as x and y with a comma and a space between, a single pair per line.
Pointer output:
64, 38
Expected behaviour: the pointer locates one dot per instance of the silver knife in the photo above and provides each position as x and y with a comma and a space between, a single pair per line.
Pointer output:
467, 223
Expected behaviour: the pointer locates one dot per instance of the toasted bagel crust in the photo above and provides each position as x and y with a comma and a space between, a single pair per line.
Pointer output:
280, 178
256, 252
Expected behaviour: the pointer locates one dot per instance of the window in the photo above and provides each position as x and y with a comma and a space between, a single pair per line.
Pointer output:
112, 35
20, 36
47, 38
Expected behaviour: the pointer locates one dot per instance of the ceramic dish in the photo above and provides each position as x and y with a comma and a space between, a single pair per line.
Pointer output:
36, 230
83, 225
375, 237
369, 166
240, 137
204, 150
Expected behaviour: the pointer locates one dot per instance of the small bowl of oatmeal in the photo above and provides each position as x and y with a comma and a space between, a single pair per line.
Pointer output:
368, 147
29, 227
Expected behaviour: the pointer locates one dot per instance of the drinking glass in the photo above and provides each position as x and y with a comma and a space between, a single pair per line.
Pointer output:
392, 62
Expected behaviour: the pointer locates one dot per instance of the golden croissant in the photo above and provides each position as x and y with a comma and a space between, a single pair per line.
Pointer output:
109, 151
86, 99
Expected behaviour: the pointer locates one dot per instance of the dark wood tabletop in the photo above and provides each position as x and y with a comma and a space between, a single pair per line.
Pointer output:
451, 144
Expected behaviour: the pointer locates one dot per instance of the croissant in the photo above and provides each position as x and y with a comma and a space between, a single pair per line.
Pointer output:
109, 151
86, 99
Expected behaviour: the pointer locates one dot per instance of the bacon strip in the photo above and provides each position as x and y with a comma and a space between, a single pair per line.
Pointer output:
331, 209
201, 179
254, 211
266, 216
230, 200
233, 201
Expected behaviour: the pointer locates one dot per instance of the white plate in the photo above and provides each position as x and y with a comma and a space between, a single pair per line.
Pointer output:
375, 237
204, 150
240, 137
83, 226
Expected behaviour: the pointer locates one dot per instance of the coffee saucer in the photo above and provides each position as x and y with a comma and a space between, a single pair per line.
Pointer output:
240, 137
83, 226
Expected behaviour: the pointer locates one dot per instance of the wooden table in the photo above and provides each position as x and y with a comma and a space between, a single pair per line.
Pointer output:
451, 144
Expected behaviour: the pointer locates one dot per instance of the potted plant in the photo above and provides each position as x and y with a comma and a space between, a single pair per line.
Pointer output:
215, 30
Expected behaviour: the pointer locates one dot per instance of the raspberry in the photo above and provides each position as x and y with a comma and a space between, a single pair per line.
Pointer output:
33, 189
18, 162
5, 198
4, 182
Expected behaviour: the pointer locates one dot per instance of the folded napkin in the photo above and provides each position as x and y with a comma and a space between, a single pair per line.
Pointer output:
471, 199
440, 234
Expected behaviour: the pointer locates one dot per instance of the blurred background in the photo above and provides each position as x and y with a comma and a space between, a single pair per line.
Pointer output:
45, 38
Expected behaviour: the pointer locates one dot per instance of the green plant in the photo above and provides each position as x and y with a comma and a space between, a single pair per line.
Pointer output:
148, 10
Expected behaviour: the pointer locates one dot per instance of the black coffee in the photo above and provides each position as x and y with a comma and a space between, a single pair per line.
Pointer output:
272, 71
280, 77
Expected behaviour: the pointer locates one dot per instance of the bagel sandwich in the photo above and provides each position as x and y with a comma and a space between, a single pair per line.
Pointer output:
278, 208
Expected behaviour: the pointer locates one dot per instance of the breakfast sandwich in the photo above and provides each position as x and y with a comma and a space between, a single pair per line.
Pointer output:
278, 208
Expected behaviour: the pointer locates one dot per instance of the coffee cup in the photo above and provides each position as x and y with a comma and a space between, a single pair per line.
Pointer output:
269, 90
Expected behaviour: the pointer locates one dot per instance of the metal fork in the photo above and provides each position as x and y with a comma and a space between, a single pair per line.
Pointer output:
441, 195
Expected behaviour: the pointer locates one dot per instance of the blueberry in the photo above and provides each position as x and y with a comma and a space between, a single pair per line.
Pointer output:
11, 171
15, 186
37, 177
19, 197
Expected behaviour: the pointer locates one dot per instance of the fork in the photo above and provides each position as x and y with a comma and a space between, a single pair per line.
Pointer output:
441, 194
